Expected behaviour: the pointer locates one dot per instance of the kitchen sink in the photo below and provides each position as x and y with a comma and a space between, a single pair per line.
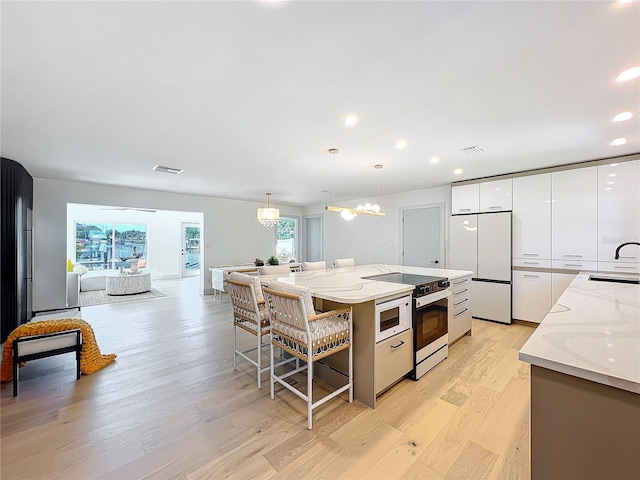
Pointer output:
608, 278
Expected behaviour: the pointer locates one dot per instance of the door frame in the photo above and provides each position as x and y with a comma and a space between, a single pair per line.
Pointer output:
401, 209
183, 247
304, 235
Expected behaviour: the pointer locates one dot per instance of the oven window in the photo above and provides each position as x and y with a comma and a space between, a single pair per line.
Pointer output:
431, 323
389, 318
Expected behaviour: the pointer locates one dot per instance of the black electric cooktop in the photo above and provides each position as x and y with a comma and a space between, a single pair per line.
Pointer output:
406, 278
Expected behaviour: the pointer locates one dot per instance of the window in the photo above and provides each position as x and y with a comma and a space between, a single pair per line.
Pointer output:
287, 239
100, 245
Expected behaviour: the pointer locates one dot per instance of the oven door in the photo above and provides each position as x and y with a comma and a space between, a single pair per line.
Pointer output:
431, 319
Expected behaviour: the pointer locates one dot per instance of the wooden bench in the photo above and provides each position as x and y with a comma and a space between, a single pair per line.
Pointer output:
45, 345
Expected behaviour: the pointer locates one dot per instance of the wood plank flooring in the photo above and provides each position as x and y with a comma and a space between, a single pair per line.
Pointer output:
171, 406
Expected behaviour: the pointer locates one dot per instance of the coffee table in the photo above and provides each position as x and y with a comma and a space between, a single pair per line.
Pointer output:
128, 284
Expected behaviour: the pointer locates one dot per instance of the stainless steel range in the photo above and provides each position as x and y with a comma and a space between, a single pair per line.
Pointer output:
430, 317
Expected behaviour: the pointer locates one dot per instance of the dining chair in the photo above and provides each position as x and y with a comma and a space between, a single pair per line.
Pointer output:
308, 336
321, 265
344, 262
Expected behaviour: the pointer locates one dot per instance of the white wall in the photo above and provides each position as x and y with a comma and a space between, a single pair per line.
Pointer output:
230, 232
164, 233
371, 239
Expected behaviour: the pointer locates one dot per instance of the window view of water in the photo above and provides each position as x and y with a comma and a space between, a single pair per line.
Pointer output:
100, 245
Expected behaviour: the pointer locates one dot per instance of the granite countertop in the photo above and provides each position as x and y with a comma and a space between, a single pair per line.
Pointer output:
593, 332
346, 285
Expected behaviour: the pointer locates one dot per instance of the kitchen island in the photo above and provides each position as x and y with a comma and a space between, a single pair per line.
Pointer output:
377, 366
585, 383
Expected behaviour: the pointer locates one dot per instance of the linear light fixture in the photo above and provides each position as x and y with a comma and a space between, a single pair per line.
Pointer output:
353, 211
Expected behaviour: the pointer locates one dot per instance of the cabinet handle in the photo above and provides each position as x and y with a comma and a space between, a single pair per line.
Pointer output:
632, 257
461, 291
461, 281
531, 263
573, 265
461, 302
399, 345
531, 254
498, 207
531, 276
464, 210
460, 313
618, 267
573, 256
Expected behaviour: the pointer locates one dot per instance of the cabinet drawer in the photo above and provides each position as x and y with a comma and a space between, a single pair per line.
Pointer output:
619, 267
394, 359
460, 282
532, 262
574, 265
459, 322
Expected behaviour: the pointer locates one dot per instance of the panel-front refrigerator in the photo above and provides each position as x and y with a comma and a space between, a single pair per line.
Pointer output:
482, 243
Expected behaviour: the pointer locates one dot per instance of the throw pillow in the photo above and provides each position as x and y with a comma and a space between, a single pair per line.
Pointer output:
80, 269
142, 263
305, 292
251, 280
69, 265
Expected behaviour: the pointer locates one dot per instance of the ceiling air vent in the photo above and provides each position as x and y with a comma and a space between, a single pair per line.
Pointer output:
160, 168
473, 149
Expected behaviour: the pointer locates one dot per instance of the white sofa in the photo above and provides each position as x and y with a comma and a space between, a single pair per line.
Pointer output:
73, 289
96, 279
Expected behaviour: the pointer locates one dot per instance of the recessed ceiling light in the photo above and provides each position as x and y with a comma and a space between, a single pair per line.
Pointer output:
434, 160
611, 183
350, 120
629, 74
618, 141
400, 144
608, 188
613, 174
614, 164
622, 117
458, 171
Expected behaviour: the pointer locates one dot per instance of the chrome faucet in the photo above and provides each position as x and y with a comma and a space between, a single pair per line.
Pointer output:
622, 245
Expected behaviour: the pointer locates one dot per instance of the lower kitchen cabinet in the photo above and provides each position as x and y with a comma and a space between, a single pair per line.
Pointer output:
531, 295
394, 359
459, 308
559, 283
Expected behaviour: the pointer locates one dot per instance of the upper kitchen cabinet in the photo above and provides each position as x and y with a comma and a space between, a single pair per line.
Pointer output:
574, 214
465, 199
618, 213
495, 196
532, 219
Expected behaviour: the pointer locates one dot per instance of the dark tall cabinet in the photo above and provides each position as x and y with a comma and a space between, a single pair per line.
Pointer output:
16, 243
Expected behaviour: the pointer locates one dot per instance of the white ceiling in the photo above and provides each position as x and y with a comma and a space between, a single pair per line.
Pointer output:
247, 97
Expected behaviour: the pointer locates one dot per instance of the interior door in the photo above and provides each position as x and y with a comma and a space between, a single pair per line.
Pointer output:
190, 252
422, 241
312, 239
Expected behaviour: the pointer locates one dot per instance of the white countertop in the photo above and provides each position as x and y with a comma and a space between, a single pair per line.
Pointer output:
593, 332
346, 285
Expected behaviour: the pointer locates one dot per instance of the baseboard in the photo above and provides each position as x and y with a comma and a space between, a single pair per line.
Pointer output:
526, 323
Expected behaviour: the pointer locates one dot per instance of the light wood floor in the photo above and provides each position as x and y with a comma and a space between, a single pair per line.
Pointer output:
172, 406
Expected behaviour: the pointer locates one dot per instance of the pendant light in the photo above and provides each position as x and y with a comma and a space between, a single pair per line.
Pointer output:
351, 213
268, 217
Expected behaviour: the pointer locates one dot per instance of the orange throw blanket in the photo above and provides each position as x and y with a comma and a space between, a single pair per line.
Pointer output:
91, 359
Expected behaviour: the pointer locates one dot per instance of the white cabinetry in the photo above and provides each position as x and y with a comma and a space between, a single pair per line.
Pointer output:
532, 219
465, 199
495, 196
531, 295
559, 283
394, 359
459, 308
618, 214
574, 214
463, 240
